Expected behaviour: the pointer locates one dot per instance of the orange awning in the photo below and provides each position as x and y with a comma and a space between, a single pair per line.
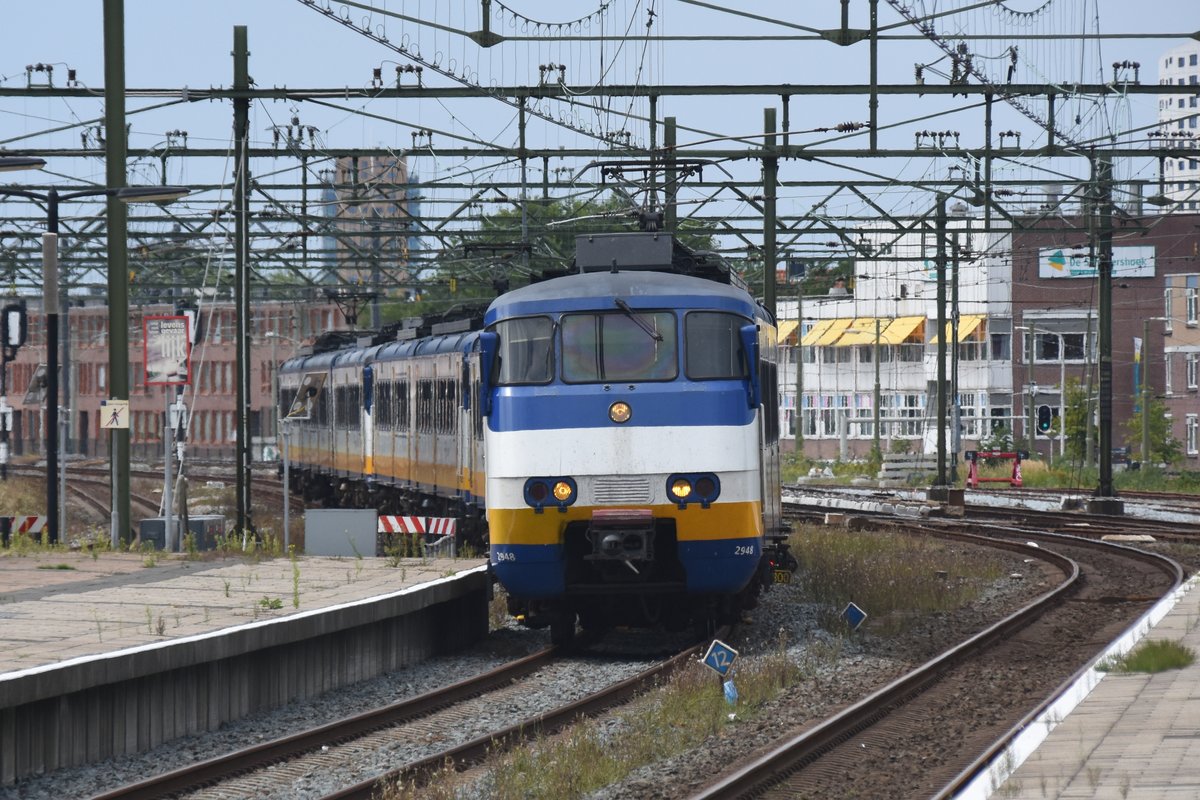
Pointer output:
862, 331
967, 323
900, 329
833, 332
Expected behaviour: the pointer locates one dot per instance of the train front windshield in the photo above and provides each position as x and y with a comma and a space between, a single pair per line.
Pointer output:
621, 346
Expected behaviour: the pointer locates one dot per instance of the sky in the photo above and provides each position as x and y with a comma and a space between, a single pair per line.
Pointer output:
185, 45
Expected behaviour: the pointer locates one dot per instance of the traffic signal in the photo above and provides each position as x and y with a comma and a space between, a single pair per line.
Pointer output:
1044, 418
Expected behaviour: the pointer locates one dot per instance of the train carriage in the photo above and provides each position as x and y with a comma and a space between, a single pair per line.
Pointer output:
614, 423
629, 457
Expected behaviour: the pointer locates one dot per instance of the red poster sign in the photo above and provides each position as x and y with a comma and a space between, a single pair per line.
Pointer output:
167, 351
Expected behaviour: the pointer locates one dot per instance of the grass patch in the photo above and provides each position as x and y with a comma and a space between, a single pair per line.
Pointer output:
893, 577
675, 718
55, 566
1150, 656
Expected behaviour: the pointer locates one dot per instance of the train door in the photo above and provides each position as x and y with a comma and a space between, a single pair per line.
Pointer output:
769, 411
368, 421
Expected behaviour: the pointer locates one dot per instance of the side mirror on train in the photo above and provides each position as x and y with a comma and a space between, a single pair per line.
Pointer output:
489, 344
750, 350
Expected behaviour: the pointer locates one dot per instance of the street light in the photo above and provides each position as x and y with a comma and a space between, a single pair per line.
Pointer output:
52, 198
1145, 387
9, 164
281, 426
14, 163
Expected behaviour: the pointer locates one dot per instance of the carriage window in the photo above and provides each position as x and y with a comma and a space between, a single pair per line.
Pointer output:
714, 346
526, 347
619, 346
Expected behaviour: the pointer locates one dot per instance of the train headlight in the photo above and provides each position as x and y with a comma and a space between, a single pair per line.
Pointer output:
681, 488
538, 491
542, 492
693, 487
620, 412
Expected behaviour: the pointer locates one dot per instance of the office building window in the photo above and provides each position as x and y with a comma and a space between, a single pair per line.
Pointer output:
1193, 361
1192, 427
1168, 380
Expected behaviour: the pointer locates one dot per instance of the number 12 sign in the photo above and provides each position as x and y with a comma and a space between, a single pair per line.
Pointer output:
720, 657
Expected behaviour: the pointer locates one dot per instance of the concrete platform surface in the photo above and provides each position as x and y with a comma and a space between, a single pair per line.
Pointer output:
59, 606
1134, 737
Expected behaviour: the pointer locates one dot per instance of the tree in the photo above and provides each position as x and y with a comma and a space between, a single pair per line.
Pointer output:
477, 266
1075, 424
1164, 447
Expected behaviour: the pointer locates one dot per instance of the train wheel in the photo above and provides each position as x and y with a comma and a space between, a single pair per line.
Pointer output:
562, 629
594, 621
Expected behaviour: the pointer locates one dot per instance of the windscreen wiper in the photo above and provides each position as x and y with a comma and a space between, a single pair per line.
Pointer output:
641, 323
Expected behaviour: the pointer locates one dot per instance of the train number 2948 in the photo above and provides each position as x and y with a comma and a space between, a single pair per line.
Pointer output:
743, 550
504, 556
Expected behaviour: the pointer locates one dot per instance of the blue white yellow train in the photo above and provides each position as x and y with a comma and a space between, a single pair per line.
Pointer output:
610, 435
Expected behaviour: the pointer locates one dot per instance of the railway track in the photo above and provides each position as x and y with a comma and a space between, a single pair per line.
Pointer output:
922, 734
385, 735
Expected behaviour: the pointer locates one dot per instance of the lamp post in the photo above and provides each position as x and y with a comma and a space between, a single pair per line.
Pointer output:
1145, 387
9, 164
51, 199
281, 426
1031, 389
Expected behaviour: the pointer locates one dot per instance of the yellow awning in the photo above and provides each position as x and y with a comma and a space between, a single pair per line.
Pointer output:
815, 332
967, 323
900, 329
862, 331
832, 333
785, 329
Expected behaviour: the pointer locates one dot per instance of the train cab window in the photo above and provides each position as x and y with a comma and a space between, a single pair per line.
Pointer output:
526, 350
714, 346
619, 346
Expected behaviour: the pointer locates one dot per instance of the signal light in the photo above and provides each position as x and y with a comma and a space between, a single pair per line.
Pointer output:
1045, 418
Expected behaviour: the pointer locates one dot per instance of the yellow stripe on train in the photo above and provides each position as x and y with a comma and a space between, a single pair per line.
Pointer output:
692, 524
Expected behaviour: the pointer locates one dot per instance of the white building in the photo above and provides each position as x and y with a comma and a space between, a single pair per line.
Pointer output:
894, 301
1177, 117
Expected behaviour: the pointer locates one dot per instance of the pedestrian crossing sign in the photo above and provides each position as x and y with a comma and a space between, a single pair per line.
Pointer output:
114, 414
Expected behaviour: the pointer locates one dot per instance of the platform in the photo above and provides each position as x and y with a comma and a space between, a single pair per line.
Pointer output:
1115, 735
119, 652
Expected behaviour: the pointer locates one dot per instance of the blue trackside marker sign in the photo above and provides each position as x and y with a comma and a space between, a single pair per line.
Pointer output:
854, 616
720, 657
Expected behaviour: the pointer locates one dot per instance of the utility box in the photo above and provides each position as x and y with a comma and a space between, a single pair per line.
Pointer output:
206, 528
346, 532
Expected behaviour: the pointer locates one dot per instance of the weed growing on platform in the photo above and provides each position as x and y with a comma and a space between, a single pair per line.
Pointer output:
1150, 656
189, 546
149, 621
893, 577
161, 626
55, 566
272, 603
295, 577
149, 555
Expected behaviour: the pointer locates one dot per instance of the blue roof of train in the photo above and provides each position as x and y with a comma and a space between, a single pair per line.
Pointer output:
641, 289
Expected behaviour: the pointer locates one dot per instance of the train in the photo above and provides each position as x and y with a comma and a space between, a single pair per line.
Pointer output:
609, 435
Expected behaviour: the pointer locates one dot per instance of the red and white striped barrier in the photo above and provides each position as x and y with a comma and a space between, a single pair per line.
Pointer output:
396, 524
31, 524
440, 526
